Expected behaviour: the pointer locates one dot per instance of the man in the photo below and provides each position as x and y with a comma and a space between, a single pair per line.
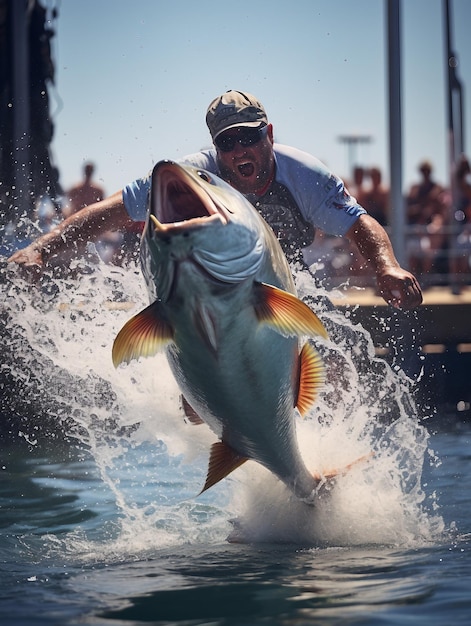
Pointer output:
293, 191
84, 193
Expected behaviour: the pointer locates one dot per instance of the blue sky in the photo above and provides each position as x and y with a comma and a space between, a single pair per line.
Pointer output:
134, 79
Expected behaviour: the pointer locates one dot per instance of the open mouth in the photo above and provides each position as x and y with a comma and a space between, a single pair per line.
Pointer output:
181, 201
246, 169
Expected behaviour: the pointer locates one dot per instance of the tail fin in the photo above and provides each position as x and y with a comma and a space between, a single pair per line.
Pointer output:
333, 473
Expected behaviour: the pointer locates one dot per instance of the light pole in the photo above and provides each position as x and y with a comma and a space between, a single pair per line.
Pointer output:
352, 141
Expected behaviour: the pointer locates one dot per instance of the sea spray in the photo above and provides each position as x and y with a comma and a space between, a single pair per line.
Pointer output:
61, 383
60, 388
366, 410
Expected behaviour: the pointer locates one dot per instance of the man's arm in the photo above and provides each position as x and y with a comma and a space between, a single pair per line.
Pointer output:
397, 286
75, 231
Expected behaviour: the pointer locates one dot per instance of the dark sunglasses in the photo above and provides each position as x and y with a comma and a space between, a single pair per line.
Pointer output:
246, 136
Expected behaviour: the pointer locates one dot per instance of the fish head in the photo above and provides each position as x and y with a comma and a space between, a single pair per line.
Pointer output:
197, 221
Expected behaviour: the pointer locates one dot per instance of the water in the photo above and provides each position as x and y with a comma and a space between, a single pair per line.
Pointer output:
100, 521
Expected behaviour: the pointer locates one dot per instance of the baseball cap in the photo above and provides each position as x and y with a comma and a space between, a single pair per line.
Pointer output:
234, 108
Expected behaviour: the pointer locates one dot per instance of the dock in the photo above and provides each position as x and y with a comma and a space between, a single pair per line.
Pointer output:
437, 334
442, 321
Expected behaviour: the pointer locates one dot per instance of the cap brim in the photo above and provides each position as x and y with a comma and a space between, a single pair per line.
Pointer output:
257, 124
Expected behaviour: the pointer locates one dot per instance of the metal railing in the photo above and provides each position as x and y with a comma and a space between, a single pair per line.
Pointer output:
437, 255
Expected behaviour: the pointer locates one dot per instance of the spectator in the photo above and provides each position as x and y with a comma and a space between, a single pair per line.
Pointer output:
376, 198
83, 194
460, 261
426, 212
357, 187
424, 198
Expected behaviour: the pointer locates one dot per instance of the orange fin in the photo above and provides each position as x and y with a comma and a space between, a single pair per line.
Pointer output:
190, 412
332, 473
222, 461
311, 377
143, 335
286, 313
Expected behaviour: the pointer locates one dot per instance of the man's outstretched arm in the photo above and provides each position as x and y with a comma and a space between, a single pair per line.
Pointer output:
396, 285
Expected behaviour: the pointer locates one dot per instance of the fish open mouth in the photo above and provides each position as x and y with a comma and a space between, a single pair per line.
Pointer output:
181, 198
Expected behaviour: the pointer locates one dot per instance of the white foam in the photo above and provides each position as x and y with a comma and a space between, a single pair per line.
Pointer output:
364, 409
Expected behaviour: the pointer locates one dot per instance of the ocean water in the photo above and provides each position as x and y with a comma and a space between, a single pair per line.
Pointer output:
100, 517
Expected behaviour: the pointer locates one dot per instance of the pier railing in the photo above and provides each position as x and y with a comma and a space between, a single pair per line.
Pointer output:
437, 255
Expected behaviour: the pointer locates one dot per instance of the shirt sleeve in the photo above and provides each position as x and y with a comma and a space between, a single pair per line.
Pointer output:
135, 195
135, 198
335, 210
320, 195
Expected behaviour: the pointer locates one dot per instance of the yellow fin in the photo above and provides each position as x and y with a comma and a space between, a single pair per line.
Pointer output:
222, 461
286, 313
311, 377
143, 335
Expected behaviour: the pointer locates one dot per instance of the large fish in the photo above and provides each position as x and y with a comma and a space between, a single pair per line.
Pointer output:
223, 305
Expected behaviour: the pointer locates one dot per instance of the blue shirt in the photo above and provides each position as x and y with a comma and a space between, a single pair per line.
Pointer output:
303, 196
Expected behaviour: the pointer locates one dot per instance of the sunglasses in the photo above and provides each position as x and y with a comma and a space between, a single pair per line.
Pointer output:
246, 136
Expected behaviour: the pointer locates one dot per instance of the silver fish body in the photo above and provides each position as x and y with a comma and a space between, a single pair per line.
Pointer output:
223, 306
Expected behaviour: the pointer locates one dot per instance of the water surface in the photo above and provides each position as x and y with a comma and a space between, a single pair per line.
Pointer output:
100, 522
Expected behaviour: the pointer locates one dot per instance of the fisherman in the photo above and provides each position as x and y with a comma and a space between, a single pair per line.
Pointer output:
293, 191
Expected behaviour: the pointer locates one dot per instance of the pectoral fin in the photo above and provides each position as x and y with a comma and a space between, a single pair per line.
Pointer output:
143, 335
286, 313
222, 461
311, 377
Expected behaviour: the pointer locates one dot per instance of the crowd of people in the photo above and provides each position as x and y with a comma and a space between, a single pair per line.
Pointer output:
438, 226
439, 223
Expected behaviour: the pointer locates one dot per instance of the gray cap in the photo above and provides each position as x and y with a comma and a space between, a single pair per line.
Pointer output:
234, 108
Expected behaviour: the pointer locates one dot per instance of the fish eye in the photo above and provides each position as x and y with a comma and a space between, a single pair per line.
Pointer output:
204, 175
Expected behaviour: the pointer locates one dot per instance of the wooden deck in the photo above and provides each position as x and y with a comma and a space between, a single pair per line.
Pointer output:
444, 319
431, 343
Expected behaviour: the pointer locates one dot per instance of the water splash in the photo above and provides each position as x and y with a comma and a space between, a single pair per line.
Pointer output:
59, 384
365, 410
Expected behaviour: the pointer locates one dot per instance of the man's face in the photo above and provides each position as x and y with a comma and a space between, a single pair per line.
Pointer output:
249, 167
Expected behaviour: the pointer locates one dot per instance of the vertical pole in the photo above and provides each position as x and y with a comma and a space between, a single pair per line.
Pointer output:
455, 137
21, 117
398, 222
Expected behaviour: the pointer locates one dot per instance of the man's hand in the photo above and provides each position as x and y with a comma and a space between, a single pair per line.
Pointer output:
399, 288
30, 259
71, 235
31, 255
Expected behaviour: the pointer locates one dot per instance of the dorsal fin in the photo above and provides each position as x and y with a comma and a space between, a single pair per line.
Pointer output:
222, 461
285, 312
143, 335
311, 377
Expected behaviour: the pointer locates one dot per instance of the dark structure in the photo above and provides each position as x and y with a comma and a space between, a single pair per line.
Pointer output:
26, 129
432, 344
